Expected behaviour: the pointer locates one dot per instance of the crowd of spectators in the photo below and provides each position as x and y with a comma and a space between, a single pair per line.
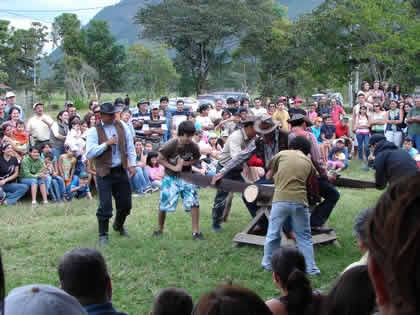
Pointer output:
385, 281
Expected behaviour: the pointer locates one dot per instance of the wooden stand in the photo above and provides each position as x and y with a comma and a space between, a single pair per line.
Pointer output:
247, 237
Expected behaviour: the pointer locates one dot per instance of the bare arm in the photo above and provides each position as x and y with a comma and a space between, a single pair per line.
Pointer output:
164, 162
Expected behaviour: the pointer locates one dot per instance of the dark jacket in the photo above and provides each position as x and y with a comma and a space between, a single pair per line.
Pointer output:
392, 163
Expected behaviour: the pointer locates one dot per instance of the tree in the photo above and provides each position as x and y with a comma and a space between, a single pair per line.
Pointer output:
103, 54
4, 35
150, 70
198, 29
23, 50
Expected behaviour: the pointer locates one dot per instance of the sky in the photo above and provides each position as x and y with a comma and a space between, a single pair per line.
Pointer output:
21, 13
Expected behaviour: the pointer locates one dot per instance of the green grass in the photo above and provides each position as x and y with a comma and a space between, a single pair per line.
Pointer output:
34, 239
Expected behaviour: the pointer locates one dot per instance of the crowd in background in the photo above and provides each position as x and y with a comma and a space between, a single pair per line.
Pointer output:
47, 155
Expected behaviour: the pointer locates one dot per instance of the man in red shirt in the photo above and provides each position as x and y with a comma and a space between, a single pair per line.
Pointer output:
342, 131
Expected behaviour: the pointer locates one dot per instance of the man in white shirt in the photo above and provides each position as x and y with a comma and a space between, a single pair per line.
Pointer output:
216, 113
258, 110
39, 125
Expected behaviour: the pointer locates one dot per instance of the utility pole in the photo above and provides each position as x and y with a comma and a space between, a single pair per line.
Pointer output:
34, 71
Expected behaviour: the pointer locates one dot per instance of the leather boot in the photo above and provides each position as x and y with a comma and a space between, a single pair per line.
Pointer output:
103, 231
118, 225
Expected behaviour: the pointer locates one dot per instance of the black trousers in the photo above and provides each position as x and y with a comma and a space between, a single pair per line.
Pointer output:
221, 195
323, 210
116, 185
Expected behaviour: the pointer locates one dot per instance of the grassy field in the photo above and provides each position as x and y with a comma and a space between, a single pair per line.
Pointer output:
34, 239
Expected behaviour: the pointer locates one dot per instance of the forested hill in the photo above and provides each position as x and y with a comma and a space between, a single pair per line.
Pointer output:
120, 16
120, 20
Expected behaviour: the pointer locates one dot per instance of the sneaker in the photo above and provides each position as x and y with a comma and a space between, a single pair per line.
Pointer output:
45, 202
34, 203
156, 233
198, 236
148, 190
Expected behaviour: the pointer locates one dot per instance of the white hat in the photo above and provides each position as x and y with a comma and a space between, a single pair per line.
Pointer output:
36, 104
40, 299
10, 94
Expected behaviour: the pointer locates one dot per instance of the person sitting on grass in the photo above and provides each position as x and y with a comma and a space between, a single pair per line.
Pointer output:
67, 165
32, 174
9, 171
178, 155
289, 275
79, 187
338, 156
408, 147
84, 275
231, 300
55, 184
9, 137
172, 301
140, 181
154, 169
291, 169
352, 294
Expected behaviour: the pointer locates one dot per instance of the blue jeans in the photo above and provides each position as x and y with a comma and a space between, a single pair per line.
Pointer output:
33, 181
14, 192
253, 209
55, 187
299, 215
140, 182
363, 143
416, 141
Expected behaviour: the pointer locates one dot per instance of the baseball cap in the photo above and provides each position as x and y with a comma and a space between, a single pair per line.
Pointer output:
36, 104
10, 94
41, 299
298, 100
83, 175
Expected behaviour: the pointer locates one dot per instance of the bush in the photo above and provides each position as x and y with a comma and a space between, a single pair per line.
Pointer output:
79, 103
348, 110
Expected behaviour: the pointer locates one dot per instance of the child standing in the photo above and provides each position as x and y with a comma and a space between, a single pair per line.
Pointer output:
179, 155
66, 165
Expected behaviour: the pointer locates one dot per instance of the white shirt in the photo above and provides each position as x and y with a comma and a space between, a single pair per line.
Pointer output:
215, 114
39, 129
258, 112
203, 121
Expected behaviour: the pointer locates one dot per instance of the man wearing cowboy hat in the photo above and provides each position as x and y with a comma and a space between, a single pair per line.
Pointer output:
236, 142
327, 191
272, 141
110, 144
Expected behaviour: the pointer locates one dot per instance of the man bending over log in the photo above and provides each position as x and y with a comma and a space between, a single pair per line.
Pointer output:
272, 141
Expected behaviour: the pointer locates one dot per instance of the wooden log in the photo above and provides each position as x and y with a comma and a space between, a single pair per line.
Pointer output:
260, 193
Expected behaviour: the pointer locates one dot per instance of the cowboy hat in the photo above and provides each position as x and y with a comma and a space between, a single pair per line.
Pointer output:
266, 124
109, 108
303, 118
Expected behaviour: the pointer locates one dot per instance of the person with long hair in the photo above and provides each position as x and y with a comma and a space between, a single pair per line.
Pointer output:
9, 172
396, 93
362, 132
393, 240
14, 116
394, 118
377, 119
352, 294
289, 275
377, 94
154, 169
59, 130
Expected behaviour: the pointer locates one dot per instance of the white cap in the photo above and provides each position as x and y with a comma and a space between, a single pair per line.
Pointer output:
10, 94
41, 299
36, 104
